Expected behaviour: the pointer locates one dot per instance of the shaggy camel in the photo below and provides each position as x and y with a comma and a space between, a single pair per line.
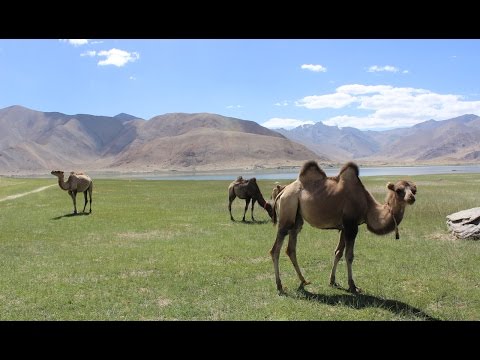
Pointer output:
341, 203
77, 182
276, 190
248, 190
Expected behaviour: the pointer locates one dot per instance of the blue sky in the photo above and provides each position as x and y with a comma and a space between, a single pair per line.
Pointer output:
367, 84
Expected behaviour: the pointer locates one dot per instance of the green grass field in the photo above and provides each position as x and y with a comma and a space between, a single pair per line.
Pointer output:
167, 250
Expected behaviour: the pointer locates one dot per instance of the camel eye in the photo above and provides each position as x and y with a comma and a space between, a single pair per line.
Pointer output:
399, 191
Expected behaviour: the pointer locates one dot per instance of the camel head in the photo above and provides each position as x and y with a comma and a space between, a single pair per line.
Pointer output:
57, 173
269, 209
404, 191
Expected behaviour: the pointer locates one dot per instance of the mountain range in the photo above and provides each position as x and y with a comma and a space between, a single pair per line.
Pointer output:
452, 141
35, 142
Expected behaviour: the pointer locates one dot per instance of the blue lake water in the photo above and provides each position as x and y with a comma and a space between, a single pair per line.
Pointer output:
292, 174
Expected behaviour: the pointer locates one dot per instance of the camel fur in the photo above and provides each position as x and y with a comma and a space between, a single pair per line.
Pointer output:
248, 190
340, 202
76, 182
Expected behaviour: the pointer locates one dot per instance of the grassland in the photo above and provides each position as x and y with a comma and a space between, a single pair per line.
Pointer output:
167, 250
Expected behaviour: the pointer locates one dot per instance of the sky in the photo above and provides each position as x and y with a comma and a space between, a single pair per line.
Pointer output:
373, 84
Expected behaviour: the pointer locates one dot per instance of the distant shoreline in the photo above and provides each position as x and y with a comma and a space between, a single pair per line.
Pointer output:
287, 172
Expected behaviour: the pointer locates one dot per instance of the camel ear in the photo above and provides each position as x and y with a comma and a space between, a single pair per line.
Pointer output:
390, 186
278, 187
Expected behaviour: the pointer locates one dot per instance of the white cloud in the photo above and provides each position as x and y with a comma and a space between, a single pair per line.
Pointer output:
117, 57
91, 53
336, 101
132, 78
277, 123
357, 89
389, 106
76, 42
234, 106
283, 103
405, 72
388, 68
314, 68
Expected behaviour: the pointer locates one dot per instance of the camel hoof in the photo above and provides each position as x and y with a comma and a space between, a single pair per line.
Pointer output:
355, 290
282, 292
335, 284
303, 284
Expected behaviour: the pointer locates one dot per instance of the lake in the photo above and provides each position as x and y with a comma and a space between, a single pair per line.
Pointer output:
291, 174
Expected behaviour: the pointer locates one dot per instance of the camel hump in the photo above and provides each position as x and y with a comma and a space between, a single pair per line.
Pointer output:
239, 179
310, 171
253, 180
349, 171
350, 166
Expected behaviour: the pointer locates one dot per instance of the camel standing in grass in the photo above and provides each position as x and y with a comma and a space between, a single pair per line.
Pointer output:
340, 202
77, 182
248, 190
277, 190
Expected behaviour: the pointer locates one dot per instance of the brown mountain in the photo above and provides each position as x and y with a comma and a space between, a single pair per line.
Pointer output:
180, 141
36, 142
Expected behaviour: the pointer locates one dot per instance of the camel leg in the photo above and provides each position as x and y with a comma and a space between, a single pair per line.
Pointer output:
275, 254
351, 230
291, 248
231, 197
253, 203
73, 194
338, 256
90, 189
247, 202
86, 201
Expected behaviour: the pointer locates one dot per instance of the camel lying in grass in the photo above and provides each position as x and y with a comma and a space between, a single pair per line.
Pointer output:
77, 182
339, 202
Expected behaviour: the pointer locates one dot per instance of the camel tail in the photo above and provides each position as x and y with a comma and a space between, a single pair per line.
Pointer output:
274, 207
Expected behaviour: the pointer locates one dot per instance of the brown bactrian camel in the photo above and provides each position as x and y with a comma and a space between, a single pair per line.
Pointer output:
77, 182
340, 202
276, 190
248, 190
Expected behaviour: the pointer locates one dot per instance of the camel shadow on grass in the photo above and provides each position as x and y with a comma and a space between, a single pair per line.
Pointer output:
256, 222
70, 215
360, 301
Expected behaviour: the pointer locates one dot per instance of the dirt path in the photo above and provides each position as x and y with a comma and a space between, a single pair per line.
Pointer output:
12, 197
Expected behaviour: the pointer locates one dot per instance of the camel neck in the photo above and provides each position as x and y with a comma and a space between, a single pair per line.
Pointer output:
261, 200
62, 184
384, 218
396, 210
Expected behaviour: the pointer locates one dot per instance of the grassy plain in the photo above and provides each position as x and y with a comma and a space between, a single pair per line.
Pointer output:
167, 250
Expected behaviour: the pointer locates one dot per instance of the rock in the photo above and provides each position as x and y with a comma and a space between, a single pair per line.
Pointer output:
465, 224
